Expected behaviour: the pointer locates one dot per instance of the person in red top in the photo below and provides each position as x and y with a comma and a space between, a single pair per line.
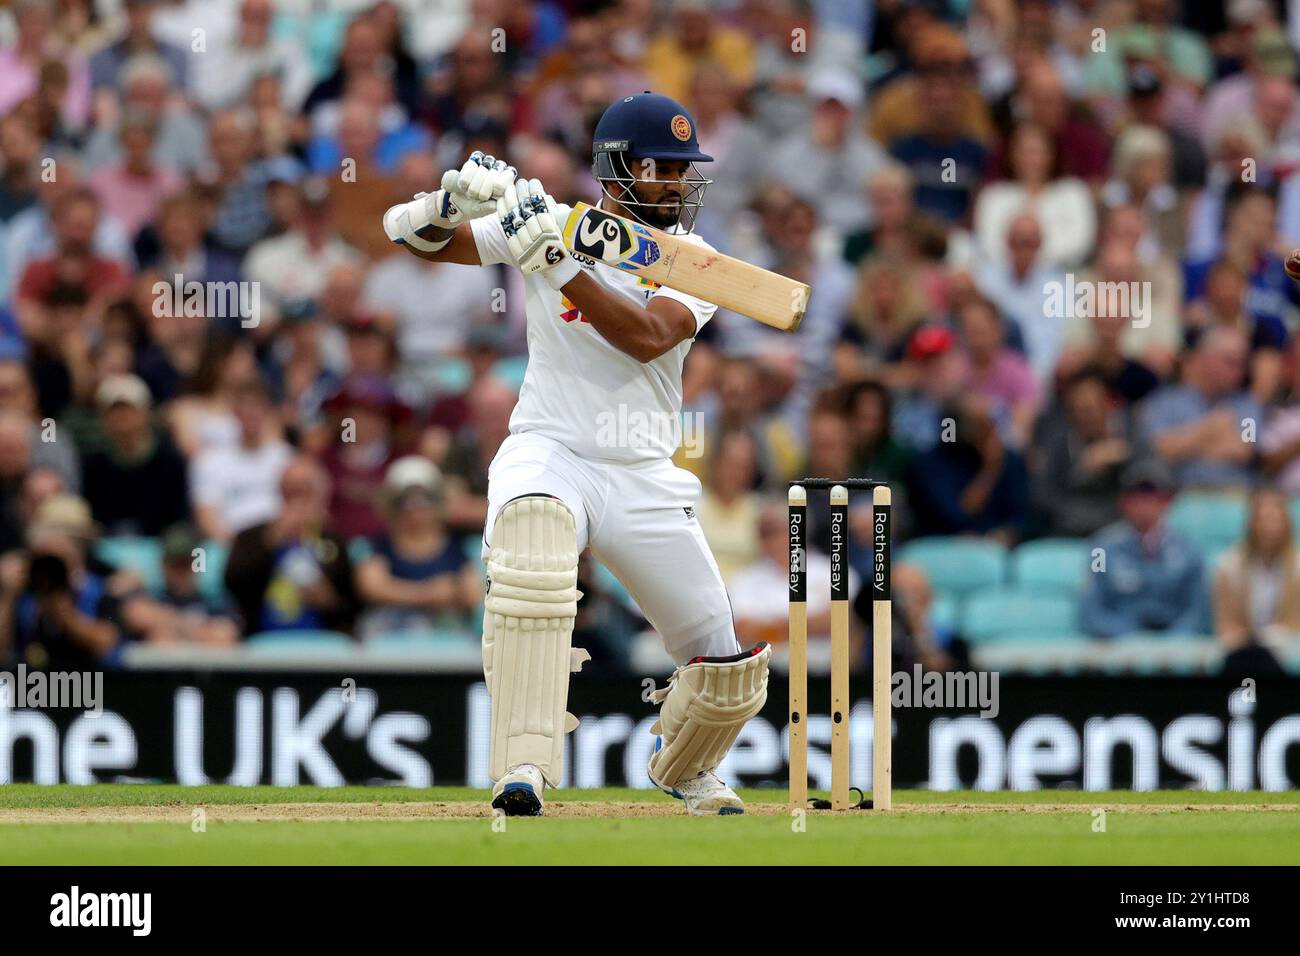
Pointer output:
998, 372
366, 444
74, 265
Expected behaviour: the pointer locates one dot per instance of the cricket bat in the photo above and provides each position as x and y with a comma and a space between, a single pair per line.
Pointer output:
670, 260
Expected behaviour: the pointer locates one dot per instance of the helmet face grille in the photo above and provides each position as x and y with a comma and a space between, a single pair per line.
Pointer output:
634, 133
616, 179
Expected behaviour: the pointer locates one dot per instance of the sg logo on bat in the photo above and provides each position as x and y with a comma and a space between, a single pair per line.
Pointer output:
609, 239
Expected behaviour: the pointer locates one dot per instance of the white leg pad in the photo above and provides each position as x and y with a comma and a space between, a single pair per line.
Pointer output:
531, 603
704, 706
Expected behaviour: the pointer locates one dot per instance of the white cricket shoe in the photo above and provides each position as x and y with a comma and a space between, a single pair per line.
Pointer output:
707, 796
519, 792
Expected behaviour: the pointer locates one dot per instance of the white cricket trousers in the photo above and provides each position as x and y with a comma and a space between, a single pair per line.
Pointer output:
640, 523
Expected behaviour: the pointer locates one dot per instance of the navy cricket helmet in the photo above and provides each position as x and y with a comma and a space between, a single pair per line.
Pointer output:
648, 126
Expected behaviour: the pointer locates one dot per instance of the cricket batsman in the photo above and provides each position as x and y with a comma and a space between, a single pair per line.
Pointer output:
603, 345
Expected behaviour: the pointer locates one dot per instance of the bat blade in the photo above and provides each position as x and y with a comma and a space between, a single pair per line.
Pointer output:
670, 260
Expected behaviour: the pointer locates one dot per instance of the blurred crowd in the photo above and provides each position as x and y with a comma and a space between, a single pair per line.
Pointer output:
955, 179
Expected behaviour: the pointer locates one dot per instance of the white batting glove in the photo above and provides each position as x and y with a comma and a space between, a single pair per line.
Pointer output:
532, 230
466, 194
477, 185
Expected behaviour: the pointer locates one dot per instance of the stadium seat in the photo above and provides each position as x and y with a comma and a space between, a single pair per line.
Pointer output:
1211, 555
945, 613
1063, 653
511, 370
613, 586
1056, 565
139, 554
1013, 614
1289, 658
959, 566
1211, 520
212, 581
359, 549
304, 641
449, 376
402, 642
1157, 652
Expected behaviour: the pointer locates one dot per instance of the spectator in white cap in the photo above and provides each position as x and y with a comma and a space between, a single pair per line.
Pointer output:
417, 576
135, 484
146, 82
828, 163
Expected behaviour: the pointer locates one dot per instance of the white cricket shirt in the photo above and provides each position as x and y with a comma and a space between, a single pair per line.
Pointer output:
579, 389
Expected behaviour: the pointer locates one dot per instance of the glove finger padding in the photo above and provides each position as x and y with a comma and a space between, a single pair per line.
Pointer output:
478, 176
479, 184
706, 704
533, 234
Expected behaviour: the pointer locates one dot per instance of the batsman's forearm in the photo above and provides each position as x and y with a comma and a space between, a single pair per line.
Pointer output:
425, 226
460, 250
437, 233
433, 234
630, 328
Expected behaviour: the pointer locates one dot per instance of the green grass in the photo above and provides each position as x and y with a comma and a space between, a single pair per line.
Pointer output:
1062, 834
33, 796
